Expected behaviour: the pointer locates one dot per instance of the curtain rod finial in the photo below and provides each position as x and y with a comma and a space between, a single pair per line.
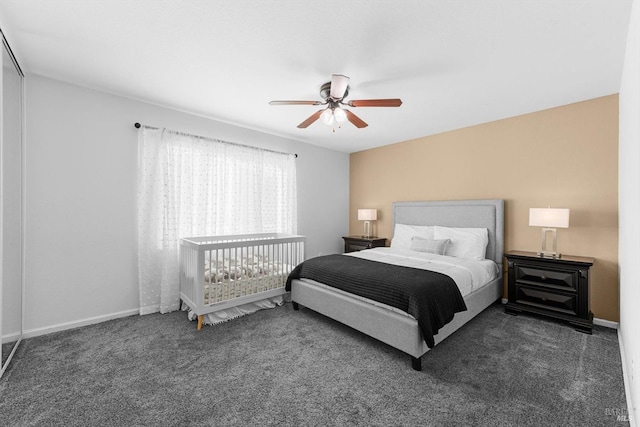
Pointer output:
137, 125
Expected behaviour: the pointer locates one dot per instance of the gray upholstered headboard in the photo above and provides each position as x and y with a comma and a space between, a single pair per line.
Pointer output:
458, 213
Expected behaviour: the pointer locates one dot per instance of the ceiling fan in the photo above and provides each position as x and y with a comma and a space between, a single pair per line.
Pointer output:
334, 93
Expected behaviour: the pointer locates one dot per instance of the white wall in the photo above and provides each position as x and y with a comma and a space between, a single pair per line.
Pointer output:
81, 195
629, 221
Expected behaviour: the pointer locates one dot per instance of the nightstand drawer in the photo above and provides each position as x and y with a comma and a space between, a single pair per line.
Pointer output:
358, 247
536, 297
551, 278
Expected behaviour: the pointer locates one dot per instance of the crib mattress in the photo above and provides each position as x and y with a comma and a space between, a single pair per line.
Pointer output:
234, 288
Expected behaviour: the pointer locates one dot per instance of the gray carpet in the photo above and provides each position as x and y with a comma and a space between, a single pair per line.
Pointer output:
294, 368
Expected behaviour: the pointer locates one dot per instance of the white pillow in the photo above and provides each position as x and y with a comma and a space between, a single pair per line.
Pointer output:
469, 243
431, 246
403, 233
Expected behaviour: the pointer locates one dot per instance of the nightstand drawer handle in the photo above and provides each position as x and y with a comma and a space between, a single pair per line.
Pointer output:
544, 277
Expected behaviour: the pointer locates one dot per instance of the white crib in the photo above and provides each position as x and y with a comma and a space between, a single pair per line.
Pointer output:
220, 272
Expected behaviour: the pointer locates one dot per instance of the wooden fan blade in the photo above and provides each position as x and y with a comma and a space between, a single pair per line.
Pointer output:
375, 103
295, 103
357, 121
339, 84
312, 118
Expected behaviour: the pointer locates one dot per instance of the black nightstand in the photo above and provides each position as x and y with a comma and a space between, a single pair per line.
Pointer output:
557, 288
358, 243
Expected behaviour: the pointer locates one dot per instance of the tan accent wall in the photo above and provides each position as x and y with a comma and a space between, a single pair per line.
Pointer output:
565, 157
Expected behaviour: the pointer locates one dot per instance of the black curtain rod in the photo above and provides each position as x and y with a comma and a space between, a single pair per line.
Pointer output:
138, 126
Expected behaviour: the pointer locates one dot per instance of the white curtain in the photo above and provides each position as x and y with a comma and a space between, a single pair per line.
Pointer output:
192, 186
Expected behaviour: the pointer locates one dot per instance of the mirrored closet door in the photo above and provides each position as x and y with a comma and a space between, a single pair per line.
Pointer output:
11, 205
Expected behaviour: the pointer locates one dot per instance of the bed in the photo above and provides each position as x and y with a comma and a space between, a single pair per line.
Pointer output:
387, 323
224, 277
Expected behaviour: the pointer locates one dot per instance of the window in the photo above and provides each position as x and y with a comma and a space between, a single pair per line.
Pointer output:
193, 186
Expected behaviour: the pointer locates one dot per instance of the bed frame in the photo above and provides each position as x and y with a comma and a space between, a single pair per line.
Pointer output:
402, 331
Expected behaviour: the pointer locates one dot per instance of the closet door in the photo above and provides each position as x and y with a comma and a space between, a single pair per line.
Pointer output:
11, 206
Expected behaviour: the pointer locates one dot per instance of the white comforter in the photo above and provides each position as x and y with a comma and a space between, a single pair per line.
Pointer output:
468, 274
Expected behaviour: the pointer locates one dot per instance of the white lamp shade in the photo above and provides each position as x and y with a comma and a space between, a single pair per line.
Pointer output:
367, 214
340, 115
327, 117
549, 217
339, 84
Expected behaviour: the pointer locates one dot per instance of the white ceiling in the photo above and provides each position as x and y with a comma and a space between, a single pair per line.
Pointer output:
453, 63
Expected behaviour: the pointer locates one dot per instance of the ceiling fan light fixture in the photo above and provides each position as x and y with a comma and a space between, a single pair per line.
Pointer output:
339, 85
340, 115
327, 117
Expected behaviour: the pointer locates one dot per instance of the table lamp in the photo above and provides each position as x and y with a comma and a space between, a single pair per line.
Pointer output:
549, 219
367, 215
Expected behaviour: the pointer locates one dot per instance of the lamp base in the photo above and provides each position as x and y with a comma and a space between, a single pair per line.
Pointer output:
367, 230
545, 252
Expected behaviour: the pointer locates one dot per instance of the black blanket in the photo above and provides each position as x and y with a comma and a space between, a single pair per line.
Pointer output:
432, 298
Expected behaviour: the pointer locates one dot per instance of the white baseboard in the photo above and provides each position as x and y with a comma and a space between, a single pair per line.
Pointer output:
600, 322
606, 323
10, 337
627, 384
30, 333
